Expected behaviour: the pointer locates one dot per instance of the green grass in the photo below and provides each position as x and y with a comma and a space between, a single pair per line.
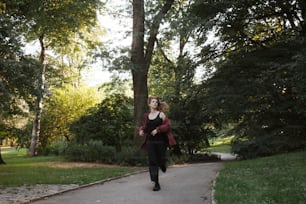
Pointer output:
222, 144
219, 148
277, 179
22, 170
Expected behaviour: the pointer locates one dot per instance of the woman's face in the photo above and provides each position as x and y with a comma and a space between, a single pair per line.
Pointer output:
153, 103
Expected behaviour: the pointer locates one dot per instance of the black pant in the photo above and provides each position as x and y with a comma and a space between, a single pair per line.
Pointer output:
157, 157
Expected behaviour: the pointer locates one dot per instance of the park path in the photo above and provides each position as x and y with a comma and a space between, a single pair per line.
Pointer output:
181, 184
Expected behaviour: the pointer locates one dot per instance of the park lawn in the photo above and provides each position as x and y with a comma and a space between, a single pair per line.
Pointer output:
279, 179
21, 170
225, 148
222, 144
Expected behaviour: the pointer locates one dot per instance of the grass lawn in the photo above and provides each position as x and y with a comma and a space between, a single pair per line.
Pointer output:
220, 145
22, 170
225, 148
277, 179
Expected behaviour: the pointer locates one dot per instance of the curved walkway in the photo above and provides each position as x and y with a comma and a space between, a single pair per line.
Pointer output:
181, 184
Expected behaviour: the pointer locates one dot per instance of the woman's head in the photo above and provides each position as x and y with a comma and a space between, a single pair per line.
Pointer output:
154, 101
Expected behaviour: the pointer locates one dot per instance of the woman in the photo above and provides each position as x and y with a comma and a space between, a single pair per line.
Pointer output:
155, 128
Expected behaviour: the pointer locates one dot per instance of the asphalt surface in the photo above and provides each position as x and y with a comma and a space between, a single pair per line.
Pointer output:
182, 184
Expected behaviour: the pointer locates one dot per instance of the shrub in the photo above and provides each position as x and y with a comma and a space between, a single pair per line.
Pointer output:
109, 122
264, 146
93, 151
58, 148
131, 155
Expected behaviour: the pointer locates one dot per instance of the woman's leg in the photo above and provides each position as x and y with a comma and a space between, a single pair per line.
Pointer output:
153, 160
161, 156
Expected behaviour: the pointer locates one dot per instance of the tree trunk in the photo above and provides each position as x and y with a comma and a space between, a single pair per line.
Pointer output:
139, 71
1, 160
39, 101
141, 60
303, 12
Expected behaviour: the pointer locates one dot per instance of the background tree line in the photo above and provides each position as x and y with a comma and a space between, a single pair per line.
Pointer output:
251, 75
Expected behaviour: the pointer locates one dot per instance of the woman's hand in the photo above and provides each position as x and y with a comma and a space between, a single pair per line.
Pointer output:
154, 132
141, 132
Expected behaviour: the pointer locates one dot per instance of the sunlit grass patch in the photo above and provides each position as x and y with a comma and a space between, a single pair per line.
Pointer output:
222, 144
219, 148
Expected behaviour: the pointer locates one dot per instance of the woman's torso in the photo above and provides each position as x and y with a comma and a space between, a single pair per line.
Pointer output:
153, 124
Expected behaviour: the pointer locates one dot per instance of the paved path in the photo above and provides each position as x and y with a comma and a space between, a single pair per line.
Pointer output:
179, 185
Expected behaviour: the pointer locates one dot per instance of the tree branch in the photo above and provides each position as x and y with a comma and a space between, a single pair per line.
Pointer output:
154, 30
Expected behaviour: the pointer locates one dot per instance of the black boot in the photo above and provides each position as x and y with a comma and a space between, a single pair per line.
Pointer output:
156, 187
163, 168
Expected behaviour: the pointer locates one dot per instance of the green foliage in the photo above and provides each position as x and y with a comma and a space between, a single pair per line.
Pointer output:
264, 93
58, 21
110, 122
259, 59
17, 85
57, 148
92, 151
247, 24
96, 151
131, 156
66, 105
171, 77
187, 112
277, 179
56, 25
10, 33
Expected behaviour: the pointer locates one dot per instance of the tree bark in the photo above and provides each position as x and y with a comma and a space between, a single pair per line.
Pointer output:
302, 4
39, 101
139, 69
141, 60
1, 160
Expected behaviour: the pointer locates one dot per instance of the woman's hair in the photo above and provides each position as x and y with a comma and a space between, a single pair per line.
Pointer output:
162, 106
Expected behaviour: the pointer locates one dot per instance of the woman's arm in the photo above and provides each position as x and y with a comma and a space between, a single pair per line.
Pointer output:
143, 125
165, 126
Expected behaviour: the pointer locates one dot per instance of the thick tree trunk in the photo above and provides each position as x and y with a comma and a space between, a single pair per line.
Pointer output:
141, 60
139, 69
39, 101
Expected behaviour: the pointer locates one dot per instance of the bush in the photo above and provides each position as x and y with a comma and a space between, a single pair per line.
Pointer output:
96, 151
93, 151
206, 157
109, 122
264, 146
57, 148
131, 156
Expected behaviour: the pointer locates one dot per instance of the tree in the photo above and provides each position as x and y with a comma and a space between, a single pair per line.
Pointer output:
52, 24
263, 93
258, 80
141, 54
17, 72
172, 77
1, 160
75, 57
250, 24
